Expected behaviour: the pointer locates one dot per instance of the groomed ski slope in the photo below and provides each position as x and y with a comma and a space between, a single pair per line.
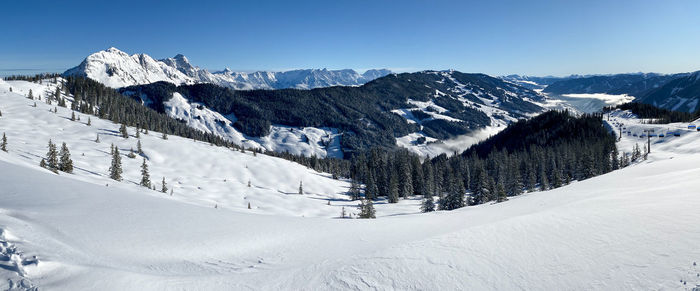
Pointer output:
636, 228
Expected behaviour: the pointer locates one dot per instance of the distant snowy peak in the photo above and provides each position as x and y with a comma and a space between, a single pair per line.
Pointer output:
116, 69
300, 79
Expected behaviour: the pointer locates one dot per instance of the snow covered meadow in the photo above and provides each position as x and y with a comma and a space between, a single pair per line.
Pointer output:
635, 228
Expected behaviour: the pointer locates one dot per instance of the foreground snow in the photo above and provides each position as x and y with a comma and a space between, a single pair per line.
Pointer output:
636, 228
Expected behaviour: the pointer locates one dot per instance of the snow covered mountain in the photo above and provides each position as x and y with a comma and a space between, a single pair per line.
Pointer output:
631, 229
429, 112
116, 69
679, 94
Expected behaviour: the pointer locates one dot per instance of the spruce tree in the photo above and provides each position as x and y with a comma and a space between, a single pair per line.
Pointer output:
501, 193
72, 116
428, 205
65, 163
97, 140
145, 177
163, 187
52, 158
115, 170
138, 147
3, 143
31, 94
138, 135
354, 190
393, 194
301, 188
89, 121
123, 131
366, 209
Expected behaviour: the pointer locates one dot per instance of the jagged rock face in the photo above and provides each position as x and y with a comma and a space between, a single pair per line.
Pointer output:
117, 69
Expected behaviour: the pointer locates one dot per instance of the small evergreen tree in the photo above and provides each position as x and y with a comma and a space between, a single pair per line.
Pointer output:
123, 131
97, 140
52, 158
301, 188
145, 177
89, 121
163, 187
31, 94
165, 136
428, 204
65, 164
354, 190
138, 147
3, 143
366, 209
42, 163
115, 170
72, 116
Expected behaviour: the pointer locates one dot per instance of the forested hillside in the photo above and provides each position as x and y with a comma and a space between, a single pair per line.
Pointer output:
442, 105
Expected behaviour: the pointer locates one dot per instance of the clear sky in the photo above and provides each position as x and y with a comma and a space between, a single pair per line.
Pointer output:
493, 37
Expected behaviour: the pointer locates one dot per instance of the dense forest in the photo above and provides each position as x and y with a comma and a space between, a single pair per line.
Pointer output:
545, 152
363, 114
658, 115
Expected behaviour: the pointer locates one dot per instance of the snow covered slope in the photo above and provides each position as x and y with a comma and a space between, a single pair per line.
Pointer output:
116, 69
635, 228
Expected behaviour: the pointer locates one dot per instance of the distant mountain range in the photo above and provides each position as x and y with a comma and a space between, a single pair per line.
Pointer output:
679, 92
116, 69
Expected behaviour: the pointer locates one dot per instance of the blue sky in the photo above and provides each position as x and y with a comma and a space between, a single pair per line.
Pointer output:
493, 37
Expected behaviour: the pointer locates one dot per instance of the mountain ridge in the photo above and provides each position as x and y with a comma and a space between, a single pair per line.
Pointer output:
117, 69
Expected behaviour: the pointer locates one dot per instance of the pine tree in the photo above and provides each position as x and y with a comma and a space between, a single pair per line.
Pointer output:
115, 170
393, 194
366, 209
97, 140
342, 213
123, 131
89, 121
138, 147
428, 205
138, 135
65, 163
163, 187
354, 190
31, 94
145, 177
501, 193
72, 116
52, 158
301, 188
3, 143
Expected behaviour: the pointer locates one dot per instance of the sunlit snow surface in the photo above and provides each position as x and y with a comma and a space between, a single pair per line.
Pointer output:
636, 228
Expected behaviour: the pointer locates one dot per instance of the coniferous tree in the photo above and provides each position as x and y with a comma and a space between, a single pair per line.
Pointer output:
42, 163
72, 116
115, 170
501, 193
138, 147
52, 158
97, 139
145, 176
163, 187
3, 143
165, 136
393, 194
122, 130
65, 164
31, 94
366, 209
89, 121
428, 204
137, 134
301, 188
354, 190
